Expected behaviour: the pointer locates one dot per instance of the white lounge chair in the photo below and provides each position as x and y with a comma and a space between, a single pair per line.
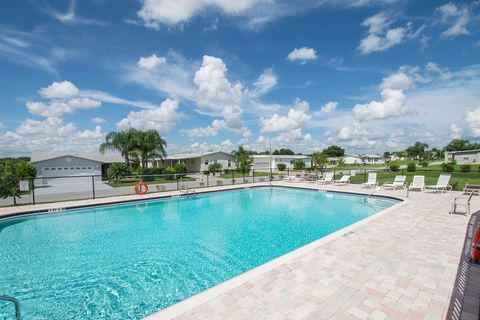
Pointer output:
344, 180
462, 201
442, 184
417, 184
372, 180
328, 178
399, 182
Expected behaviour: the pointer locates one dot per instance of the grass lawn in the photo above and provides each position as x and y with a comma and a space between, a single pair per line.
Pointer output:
458, 179
240, 175
157, 180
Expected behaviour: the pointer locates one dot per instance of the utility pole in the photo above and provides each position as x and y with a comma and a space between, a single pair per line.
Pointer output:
270, 161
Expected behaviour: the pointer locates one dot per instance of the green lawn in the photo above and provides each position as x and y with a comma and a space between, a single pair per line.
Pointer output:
157, 180
458, 179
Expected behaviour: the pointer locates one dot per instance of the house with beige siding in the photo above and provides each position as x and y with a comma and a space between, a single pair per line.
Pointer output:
463, 157
198, 162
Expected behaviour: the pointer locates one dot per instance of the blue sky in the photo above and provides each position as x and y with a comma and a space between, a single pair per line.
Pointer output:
370, 76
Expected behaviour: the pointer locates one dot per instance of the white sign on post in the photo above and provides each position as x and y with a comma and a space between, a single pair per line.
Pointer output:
24, 185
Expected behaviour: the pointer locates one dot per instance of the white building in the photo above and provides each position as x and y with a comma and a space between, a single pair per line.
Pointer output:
263, 163
65, 164
197, 162
463, 157
368, 159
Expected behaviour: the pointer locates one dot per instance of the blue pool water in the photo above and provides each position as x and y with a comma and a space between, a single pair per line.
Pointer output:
128, 261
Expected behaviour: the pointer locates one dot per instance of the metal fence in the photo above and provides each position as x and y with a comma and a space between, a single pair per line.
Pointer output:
55, 189
67, 188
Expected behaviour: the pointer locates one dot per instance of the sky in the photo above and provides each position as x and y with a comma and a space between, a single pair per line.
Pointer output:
367, 75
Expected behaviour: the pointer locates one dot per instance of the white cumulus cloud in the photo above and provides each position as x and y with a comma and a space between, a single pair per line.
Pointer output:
295, 119
472, 121
302, 54
151, 62
380, 36
456, 16
265, 82
329, 107
59, 90
162, 118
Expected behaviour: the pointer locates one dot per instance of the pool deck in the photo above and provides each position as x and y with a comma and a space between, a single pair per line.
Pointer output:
399, 264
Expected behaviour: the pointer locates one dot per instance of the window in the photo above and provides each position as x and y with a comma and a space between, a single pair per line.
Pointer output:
291, 161
52, 168
59, 168
72, 168
78, 168
229, 163
46, 169
83, 168
65, 168
89, 168
206, 162
465, 158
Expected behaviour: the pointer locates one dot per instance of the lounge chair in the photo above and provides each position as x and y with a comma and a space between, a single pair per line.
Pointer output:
344, 180
462, 201
328, 178
417, 184
372, 180
399, 182
442, 184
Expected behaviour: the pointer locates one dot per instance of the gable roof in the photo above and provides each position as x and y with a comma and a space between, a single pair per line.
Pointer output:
103, 158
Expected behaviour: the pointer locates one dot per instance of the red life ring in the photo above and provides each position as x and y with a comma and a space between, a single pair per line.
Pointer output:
141, 188
476, 246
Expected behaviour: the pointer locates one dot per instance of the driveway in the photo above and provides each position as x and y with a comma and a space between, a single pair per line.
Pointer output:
69, 185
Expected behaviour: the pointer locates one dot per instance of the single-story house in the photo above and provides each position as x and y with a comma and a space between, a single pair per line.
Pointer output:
198, 162
368, 159
463, 157
264, 162
66, 164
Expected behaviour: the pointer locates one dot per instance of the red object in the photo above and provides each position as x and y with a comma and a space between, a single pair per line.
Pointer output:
476, 246
142, 188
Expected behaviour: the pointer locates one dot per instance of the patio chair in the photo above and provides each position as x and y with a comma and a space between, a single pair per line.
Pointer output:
462, 201
372, 180
344, 180
442, 184
399, 182
417, 184
328, 178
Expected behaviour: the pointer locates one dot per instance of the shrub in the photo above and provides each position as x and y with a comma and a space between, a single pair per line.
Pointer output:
424, 164
299, 165
411, 167
144, 172
281, 166
465, 168
117, 171
394, 167
215, 167
454, 185
448, 167
181, 168
169, 171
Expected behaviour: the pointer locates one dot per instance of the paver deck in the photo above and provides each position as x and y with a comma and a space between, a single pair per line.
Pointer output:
397, 265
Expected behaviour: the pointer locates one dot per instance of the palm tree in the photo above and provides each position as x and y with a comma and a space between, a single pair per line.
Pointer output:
121, 141
242, 159
150, 145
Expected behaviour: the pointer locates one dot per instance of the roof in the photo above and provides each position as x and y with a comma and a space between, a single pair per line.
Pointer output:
366, 155
94, 156
194, 155
277, 156
465, 151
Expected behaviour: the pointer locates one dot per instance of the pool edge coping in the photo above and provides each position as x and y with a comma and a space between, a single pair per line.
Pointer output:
202, 297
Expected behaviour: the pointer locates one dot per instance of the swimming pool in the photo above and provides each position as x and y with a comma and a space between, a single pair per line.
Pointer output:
128, 261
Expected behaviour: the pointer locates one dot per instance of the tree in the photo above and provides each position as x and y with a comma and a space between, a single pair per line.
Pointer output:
363, 157
461, 145
214, 167
417, 151
284, 151
281, 166
117, 171
299, 164
11, 172
243, 160
121, 141
181, 168
341, 162
150, 145
387, 155
334, 151
437, 153
320, 161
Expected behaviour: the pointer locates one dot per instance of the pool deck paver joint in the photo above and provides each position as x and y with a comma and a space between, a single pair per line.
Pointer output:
400, 264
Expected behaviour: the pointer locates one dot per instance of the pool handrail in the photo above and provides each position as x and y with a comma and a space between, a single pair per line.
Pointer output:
15, 303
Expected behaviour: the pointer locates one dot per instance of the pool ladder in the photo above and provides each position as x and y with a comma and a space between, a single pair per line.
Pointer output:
15, 303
